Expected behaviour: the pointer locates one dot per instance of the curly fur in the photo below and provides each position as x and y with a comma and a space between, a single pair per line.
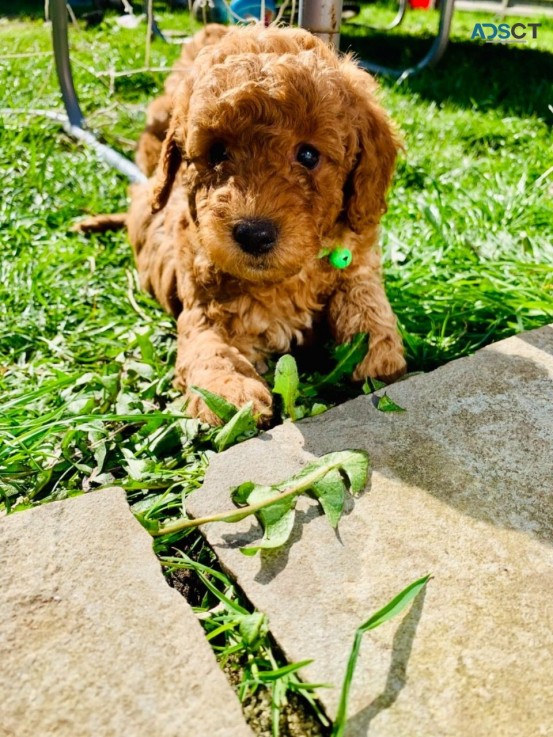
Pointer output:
159, 110
262, 93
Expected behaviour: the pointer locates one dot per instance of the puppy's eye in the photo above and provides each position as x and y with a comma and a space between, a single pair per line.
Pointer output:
217, 153
308, 156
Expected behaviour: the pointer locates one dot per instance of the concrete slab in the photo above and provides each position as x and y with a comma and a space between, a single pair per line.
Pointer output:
462, 486
93, 642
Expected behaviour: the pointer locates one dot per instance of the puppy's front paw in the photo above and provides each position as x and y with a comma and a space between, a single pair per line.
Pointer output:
383, 361
237, 389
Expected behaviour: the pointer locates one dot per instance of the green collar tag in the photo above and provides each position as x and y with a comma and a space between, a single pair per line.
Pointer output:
339, 258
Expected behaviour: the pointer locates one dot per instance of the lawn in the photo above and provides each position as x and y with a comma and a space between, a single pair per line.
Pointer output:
86, 399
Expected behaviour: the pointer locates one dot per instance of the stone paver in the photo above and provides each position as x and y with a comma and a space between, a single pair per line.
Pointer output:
462, 486
93, 642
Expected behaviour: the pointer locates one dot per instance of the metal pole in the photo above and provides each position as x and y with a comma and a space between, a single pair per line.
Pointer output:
58, 12
108, 154
400, 15
322, 18
75, 125
434, 54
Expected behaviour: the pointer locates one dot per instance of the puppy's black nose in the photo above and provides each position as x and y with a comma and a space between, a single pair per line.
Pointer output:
255, 236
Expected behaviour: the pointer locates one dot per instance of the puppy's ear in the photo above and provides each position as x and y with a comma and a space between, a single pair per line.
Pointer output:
168, 165
376, 151
171, 156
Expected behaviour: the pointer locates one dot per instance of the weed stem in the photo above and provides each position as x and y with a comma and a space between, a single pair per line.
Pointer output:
235, 515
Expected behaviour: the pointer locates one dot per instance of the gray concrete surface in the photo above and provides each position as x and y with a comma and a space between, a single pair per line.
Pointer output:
462, 487
93, 642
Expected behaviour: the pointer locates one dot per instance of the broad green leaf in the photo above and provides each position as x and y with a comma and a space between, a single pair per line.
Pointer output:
87, 379
252, 627
330, 492
385, 404
165, 439
317, 409
224, 409
144, 342
136, 467
128, 404
241, 423
299, 413
100, 452
80, 405
277, 519
189, 428
354, 464
287, 384
145, 370
241, 493
256, 494
271, 514
348, 355
319, 464
275, 534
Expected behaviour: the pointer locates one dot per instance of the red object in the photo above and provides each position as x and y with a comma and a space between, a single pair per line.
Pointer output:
420, 4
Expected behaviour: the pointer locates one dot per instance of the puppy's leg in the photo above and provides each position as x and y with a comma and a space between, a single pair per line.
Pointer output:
360, 305
205, 359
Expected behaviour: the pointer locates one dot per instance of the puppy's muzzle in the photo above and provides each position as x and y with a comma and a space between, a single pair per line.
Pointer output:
255, 236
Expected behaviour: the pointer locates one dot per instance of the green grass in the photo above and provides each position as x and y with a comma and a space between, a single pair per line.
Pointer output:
86, 399
468, 234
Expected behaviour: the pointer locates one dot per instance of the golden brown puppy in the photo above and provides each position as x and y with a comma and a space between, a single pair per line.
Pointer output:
276, 149
148, 149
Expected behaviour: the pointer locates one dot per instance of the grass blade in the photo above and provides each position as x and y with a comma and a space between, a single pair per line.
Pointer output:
391, 609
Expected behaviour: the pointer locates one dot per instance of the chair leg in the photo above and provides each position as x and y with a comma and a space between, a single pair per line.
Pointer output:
432, 57
75, 124
400, 15
58, 12
323, 18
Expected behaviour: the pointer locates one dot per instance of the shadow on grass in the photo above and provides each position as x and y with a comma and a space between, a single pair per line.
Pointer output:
471, 75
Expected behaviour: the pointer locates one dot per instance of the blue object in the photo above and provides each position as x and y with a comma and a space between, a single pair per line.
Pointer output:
248, 9
215, 11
